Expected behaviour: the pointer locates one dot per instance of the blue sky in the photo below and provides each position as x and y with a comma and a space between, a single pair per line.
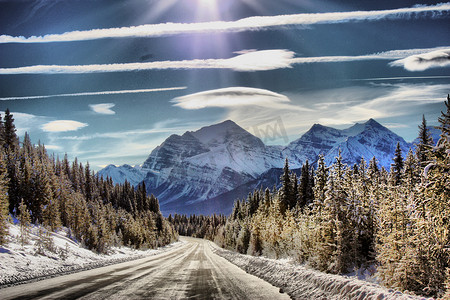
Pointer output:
108, 81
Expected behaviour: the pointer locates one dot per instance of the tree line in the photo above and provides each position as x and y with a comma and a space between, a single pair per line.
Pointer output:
337, 218
199, 226
43, 190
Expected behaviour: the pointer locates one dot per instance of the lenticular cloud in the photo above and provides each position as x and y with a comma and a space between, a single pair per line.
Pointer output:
425, 61
230, 97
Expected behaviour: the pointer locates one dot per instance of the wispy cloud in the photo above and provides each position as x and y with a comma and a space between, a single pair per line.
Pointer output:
424, 61
401, 78
251, 23
63, 125
250, 107
103, 108
389, 101
96, 93
249, 61
53, 147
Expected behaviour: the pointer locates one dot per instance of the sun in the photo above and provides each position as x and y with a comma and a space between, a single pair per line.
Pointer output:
207, 3
208, 10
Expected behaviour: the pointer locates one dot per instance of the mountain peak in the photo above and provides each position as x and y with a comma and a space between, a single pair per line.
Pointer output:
218, 132
372, 122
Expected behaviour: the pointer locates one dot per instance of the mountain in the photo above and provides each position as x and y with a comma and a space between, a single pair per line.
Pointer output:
366, 140
204, 171
206, 163
134, 175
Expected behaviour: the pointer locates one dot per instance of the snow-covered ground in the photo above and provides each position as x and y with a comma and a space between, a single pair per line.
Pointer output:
300, 282
22, 264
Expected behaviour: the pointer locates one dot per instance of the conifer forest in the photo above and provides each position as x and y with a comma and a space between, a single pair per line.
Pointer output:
38, 189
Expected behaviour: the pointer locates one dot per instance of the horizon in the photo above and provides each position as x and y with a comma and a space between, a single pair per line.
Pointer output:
107, 82
267, 136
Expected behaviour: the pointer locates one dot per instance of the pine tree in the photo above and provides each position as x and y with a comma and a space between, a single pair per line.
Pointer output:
397, 166
25, 223
306, 193
411, 173
286, 189
10, 145
425, 143
88, 185
10, 139
320, 187
2, 132
3, 199
436, 190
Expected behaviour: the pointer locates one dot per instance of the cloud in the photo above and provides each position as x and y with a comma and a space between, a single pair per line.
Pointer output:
103, 108
263, 60
383, 101
252, 61
52, 147
401, 78
230, 97
96, 93
424, 61
254, 109
251, 23
63, 125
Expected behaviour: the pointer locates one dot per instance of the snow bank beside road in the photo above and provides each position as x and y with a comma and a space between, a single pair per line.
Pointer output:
21, 264
303, 283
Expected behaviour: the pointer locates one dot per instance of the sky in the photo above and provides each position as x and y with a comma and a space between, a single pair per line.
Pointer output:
107, 81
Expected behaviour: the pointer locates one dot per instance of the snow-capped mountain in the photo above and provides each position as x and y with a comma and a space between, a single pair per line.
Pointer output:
206, 163
366, 140
191, 173
134, 175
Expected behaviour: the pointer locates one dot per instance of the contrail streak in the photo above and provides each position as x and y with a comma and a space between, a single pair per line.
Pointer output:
96, 93
246, 24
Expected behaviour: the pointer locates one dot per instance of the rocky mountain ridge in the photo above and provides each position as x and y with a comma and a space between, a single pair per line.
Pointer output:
223, 160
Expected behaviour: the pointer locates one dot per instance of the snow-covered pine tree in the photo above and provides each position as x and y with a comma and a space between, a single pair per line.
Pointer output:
306, 194
25, 223
425, 143
436, 191
286, 189
397, 165
320, 187
4, 204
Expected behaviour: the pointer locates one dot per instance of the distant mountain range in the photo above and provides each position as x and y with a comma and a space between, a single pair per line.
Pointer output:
204, 171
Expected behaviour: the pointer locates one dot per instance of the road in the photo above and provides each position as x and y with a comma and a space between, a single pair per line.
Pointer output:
191, 271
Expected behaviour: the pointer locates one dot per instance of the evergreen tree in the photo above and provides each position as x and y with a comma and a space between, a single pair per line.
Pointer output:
88, 184
425, 142
397, 166
286, 194
411, 173
10, 139
2, 132
25, 223
295, 191
306, 194
320, 187
3, 199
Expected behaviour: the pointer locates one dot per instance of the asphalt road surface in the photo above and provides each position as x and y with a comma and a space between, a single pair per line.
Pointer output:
191, 271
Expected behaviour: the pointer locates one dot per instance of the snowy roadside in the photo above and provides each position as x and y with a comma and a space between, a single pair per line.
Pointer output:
21, 264
300, 282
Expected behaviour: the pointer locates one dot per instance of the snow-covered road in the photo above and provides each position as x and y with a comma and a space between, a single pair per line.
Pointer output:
191, 271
